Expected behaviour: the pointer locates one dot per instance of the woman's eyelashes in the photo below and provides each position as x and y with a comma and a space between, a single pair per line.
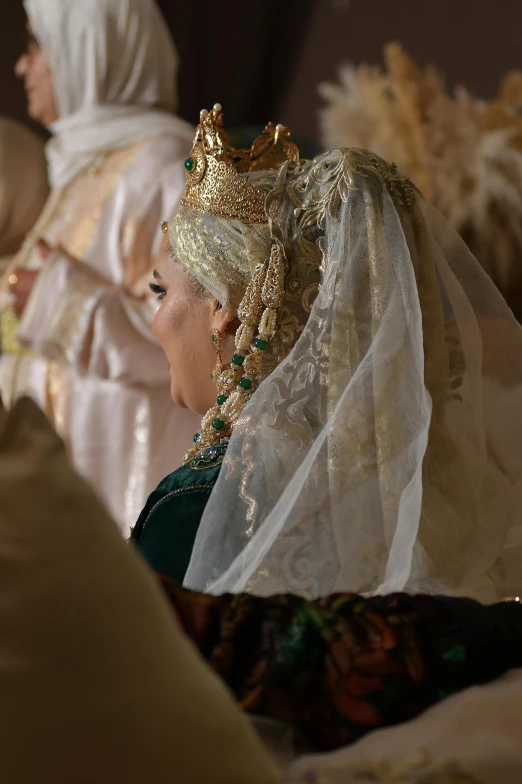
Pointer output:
158, 290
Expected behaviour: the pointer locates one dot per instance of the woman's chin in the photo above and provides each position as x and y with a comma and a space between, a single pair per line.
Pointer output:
191, 402
33, 111
177, 397
36, 113
178, 401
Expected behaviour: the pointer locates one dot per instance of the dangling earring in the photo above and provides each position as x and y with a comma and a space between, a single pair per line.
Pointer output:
218, 368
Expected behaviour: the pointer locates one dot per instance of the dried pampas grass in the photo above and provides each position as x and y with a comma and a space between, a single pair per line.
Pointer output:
464, 154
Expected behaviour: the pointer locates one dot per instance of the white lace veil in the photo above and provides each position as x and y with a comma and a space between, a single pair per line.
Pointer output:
383, 453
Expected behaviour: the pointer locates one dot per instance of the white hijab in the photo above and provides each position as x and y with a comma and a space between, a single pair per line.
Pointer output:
114, 66
23, 185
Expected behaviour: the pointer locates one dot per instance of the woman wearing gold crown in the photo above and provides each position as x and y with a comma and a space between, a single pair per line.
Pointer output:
345, 444
327, 323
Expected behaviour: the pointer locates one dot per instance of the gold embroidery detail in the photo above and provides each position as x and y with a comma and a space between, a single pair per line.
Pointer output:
77, 236
69, 321
345, 169
179, 491
9, 332
400, 187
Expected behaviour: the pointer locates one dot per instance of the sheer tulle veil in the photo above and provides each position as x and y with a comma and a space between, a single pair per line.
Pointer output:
383, 452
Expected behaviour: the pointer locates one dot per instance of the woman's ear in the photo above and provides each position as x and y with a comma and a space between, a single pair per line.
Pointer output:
224, 319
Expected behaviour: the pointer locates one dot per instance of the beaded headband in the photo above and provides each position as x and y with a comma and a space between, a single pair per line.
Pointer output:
214, 168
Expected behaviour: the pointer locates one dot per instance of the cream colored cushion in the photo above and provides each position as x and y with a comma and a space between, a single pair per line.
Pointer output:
473, 737
97, 682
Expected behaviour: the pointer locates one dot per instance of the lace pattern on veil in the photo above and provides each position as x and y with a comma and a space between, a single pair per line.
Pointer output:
364, 462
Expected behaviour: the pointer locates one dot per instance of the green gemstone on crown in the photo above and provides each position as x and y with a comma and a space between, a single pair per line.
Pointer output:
218, 424
261, 344
238, 360
189, 164
245, 383
222, 399
196, 437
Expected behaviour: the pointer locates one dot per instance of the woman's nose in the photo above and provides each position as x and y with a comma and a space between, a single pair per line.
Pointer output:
20, 68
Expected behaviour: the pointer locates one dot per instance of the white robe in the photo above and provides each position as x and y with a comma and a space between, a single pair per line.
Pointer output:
96, 369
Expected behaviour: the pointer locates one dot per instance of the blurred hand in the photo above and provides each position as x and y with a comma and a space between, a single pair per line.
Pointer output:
21, 282
44, 249
20, 285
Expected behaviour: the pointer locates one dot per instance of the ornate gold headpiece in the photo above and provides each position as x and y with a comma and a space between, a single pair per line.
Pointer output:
214, 182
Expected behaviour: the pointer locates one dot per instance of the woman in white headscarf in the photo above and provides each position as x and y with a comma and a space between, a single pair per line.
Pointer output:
76, 322
23, 185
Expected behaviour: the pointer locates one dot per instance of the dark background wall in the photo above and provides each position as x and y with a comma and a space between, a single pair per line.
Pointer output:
238, 52
473, 42
12, 98
263, 60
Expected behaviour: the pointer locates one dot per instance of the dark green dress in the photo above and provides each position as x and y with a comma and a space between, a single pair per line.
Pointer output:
167, 527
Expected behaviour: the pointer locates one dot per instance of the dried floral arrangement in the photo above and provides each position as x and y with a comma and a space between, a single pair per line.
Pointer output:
463, 153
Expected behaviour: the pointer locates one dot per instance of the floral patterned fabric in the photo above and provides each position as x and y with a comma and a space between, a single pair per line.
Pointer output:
339, 667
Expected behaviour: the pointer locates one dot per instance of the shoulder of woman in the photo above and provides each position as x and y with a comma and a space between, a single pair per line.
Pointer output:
170, 145
173, 491
167, 528
152, 166
189, 479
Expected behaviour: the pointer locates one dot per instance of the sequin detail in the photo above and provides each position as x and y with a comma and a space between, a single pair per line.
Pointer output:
210, 456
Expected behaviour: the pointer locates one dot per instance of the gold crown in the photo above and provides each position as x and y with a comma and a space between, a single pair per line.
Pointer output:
214, 182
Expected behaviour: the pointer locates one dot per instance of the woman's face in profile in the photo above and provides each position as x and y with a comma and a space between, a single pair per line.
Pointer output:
183, 326
32, 67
